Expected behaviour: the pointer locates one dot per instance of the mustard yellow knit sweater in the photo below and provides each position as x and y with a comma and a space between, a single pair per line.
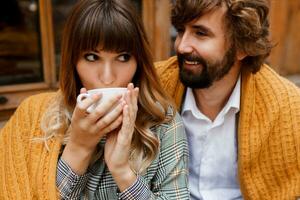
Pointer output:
268, 132
268, 140
27, 169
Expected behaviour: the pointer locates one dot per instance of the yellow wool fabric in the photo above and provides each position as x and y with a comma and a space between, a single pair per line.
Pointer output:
268, 132
27, 169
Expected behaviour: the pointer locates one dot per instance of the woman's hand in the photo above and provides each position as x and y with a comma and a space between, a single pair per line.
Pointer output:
118, 143
86, 130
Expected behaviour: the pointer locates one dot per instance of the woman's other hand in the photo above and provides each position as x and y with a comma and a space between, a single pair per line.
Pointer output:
118, 143
87, 129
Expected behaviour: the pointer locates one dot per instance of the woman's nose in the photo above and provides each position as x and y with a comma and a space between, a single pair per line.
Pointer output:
106, 74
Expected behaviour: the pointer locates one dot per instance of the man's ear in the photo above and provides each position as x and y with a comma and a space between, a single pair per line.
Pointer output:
240, 55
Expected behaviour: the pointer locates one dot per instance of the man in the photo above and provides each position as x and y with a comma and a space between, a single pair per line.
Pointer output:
242, 119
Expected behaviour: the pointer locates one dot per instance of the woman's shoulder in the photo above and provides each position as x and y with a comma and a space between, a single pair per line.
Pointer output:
40, 100
173, 141
173, 129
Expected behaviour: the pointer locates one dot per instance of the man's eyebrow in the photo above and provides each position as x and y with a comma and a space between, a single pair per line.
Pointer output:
202, 28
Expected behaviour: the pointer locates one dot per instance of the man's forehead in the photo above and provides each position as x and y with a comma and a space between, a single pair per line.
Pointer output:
212, 16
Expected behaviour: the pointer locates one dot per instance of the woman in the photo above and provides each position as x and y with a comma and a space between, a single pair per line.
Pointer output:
133, 148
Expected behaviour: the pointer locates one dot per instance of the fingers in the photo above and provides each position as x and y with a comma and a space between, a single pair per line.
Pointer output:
127, 129
129, 115
81, 107
113, 125
110, 117
131, 98
83, 90
110, 108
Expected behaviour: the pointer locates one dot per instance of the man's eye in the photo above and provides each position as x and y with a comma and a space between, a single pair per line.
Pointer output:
91, 57
124, 57
201, 33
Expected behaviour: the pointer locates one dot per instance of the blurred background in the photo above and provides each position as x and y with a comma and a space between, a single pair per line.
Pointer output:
30, 37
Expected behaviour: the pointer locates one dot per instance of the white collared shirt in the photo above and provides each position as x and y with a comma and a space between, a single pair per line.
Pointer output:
213, 172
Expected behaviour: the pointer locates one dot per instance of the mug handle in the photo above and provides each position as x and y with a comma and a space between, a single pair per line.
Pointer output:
82, 96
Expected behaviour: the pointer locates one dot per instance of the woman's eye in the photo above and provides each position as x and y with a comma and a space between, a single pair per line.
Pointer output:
91, 57
124, 57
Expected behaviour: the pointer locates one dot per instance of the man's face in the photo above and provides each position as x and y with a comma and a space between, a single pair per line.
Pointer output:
204, 54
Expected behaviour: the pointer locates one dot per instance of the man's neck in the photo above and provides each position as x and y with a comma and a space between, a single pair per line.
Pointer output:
210, 101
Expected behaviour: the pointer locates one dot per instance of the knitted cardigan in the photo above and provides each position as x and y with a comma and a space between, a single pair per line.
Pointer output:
27, 169
268, 131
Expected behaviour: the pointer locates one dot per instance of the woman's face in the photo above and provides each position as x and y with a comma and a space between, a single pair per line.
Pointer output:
102, 69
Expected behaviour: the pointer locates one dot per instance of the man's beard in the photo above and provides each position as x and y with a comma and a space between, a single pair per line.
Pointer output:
211, 71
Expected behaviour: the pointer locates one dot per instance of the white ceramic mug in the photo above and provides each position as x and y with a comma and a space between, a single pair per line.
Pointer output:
107, 95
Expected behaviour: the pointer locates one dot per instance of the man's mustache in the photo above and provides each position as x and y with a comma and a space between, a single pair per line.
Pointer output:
190, 58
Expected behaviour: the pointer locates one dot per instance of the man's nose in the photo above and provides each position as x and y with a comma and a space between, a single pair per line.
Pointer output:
185, 44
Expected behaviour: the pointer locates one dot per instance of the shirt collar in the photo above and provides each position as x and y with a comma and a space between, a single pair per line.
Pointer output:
233, 101
190, 105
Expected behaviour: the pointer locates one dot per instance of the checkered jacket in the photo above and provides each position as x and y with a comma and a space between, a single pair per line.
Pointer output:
165, 178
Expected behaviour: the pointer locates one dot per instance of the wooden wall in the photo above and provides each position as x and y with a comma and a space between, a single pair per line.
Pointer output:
156, 17
285, 33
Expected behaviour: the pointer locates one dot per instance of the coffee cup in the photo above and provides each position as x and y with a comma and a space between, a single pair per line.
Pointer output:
107, 95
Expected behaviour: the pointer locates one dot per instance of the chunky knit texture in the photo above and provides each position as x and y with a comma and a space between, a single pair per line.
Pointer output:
27, 169
268, 133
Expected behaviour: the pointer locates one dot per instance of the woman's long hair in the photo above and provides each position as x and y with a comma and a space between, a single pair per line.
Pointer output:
116, 26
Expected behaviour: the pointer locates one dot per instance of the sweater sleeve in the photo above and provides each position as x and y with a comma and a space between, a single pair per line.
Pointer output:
22, 168
14, 179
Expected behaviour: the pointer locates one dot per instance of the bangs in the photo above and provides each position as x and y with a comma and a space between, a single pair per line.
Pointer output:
106, 26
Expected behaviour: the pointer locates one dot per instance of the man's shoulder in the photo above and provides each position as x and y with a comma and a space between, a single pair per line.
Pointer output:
268, 79
168, 73
276, 91
167, 66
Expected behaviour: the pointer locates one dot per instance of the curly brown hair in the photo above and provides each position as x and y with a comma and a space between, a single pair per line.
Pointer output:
246, 20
